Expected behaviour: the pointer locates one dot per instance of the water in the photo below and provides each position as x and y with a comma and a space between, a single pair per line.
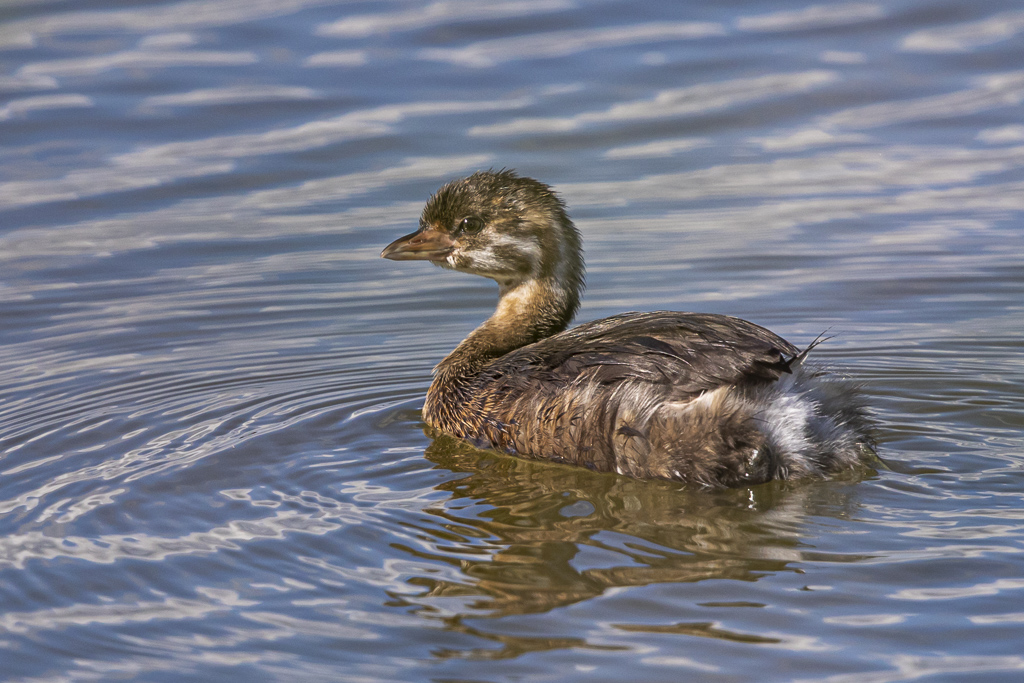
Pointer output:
211, 460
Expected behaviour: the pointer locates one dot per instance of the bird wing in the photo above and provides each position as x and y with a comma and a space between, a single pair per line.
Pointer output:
687, 353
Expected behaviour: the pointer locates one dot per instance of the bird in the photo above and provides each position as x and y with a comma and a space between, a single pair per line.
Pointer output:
700, 398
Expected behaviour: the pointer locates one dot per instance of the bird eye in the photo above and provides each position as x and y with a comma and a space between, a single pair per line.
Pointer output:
471, 225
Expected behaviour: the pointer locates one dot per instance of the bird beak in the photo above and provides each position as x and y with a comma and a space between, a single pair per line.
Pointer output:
423, 245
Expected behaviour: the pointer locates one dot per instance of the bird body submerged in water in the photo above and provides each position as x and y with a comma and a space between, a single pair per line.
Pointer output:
702, 398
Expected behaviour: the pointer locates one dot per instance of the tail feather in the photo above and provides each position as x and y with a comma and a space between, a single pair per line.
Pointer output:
807, 424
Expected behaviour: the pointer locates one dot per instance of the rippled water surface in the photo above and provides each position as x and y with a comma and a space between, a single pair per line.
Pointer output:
212, 465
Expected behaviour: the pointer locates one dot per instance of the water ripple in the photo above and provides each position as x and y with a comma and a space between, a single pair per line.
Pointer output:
966, 37
212, 459
437, 13
815, 16
563, 43
689, 101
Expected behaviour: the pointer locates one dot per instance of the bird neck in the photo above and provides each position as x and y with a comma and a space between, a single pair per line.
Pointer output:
527, 312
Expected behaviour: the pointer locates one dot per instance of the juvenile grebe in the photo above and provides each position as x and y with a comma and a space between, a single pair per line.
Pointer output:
694, 397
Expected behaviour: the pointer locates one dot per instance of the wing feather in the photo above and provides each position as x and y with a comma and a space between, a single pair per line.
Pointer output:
691, 353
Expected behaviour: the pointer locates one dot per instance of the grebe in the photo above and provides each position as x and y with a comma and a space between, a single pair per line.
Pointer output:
695, 397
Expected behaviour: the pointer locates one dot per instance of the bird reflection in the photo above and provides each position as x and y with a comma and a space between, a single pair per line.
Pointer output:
550, 535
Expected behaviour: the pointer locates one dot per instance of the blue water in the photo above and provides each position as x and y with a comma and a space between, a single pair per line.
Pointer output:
212, 464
